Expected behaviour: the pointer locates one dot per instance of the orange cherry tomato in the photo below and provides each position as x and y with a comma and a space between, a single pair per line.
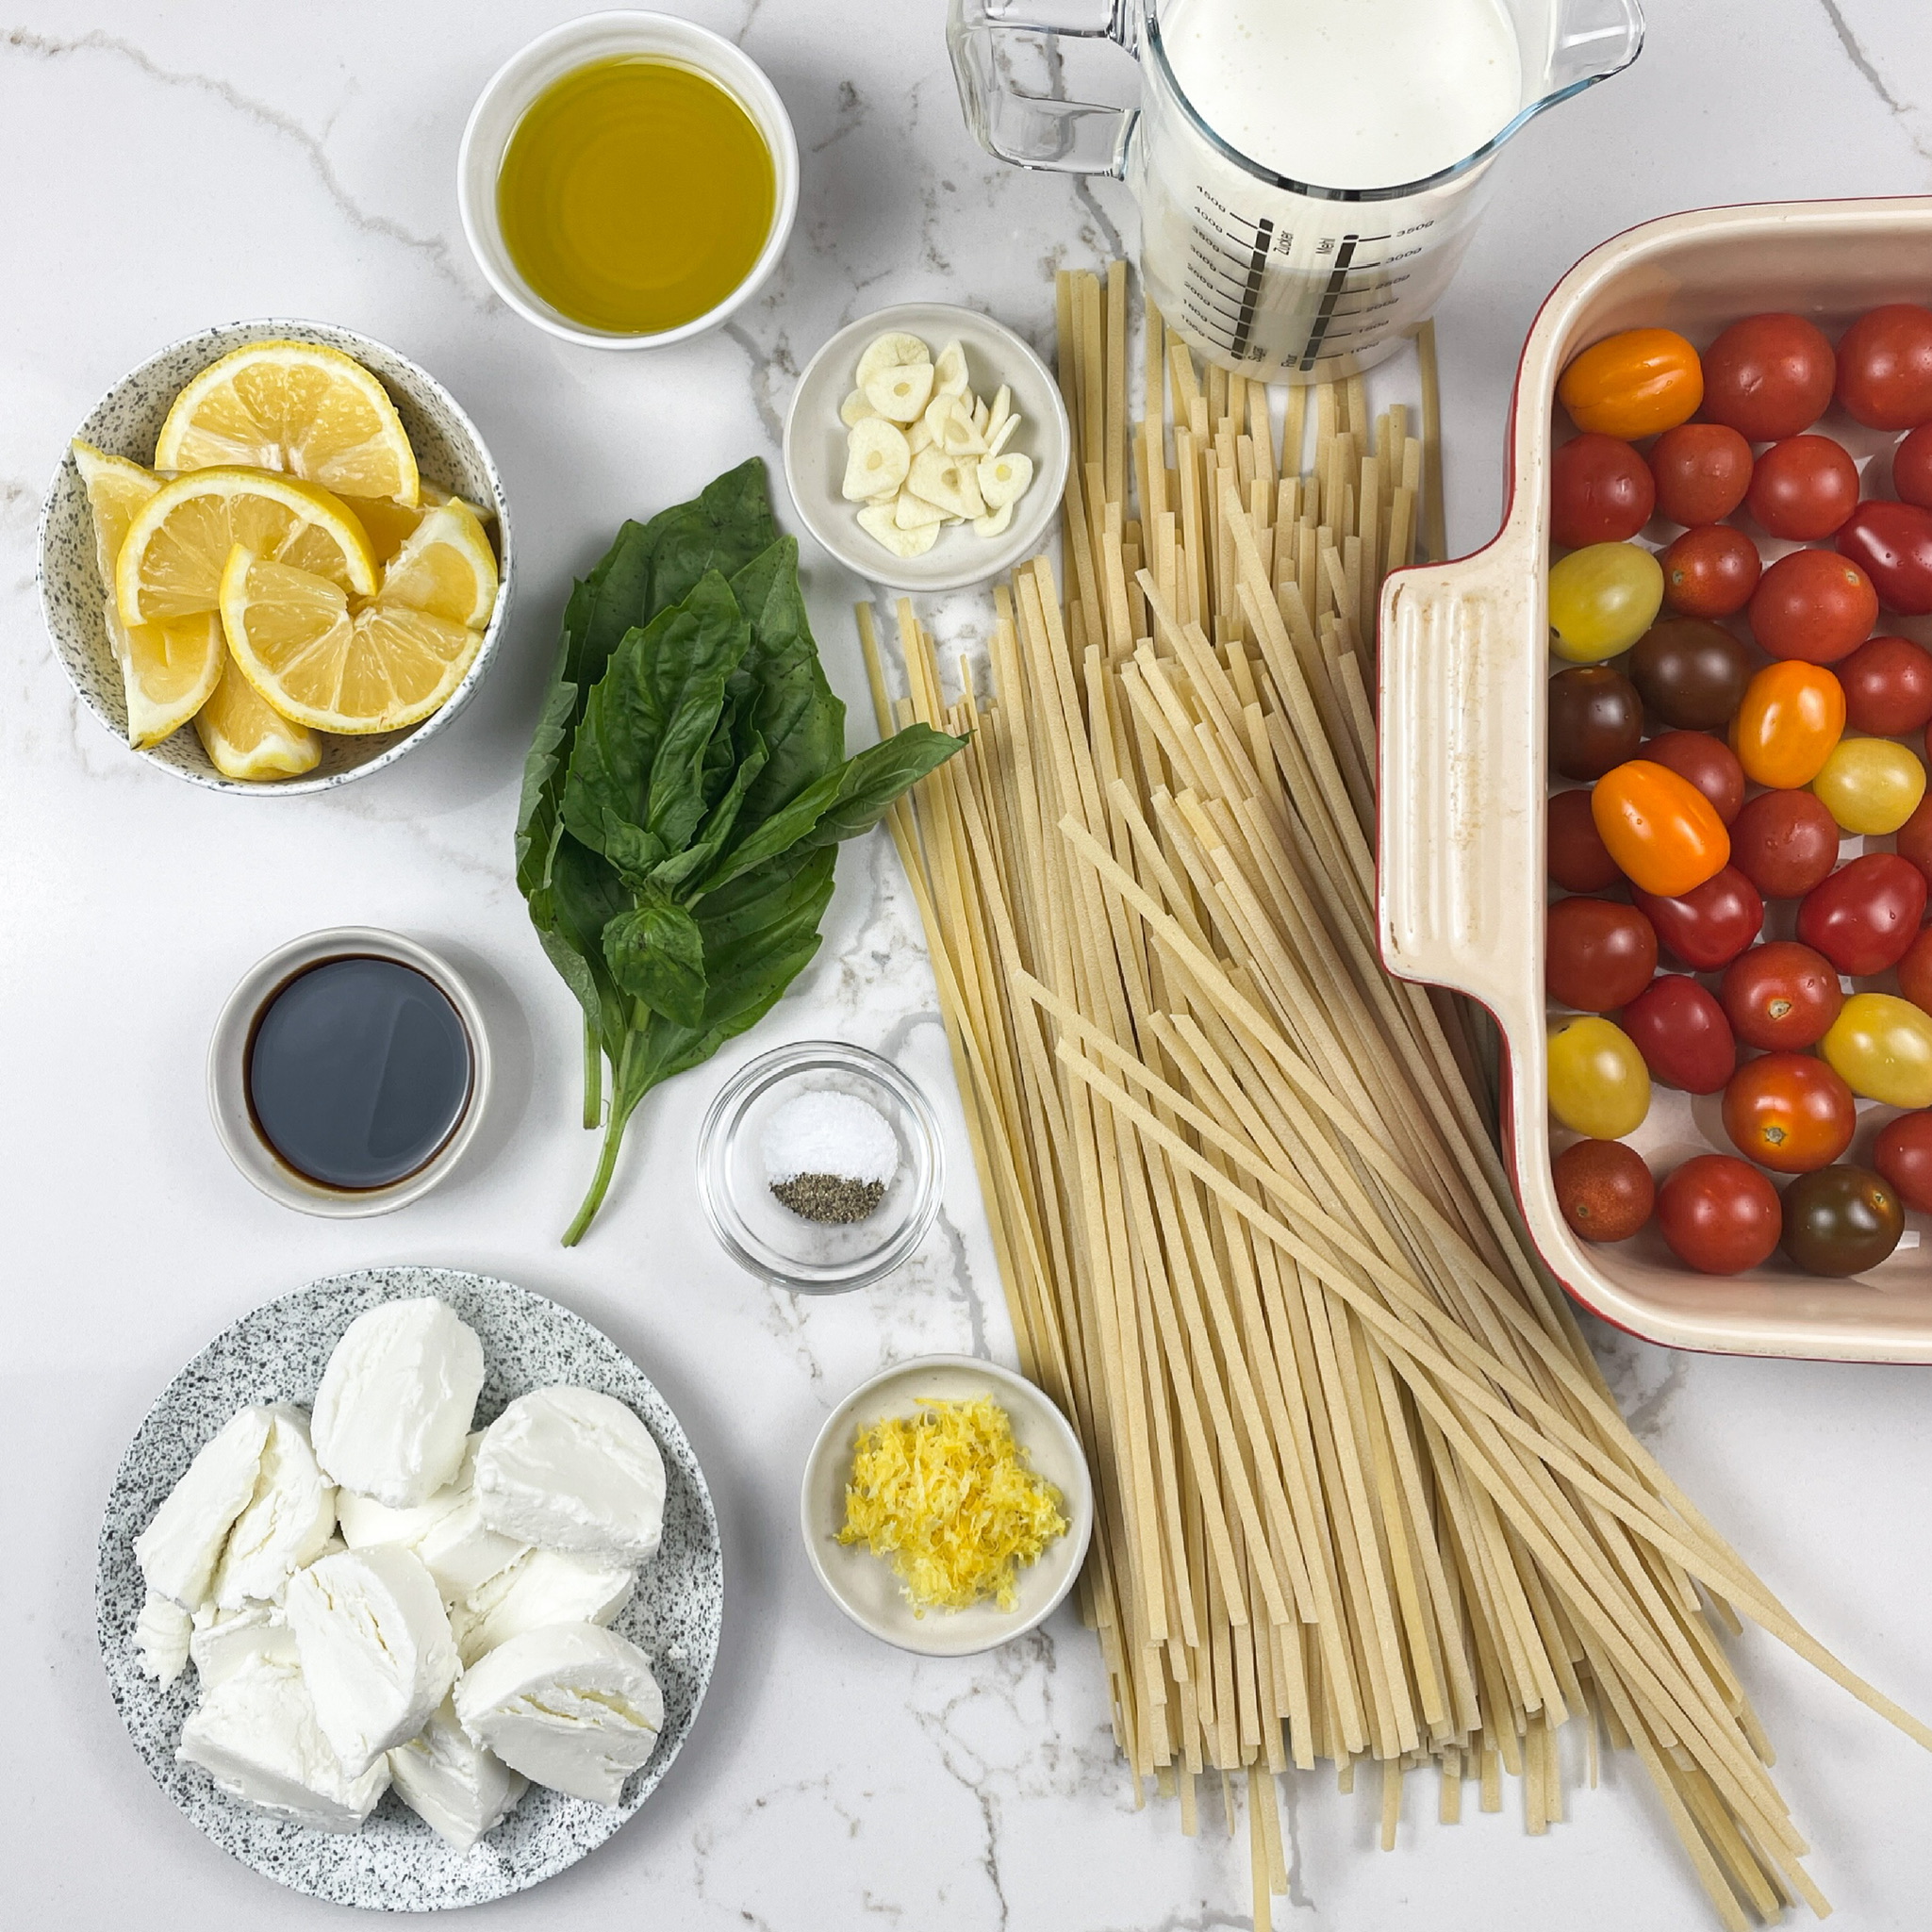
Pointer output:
1792, 713
1663, 831
1634, 383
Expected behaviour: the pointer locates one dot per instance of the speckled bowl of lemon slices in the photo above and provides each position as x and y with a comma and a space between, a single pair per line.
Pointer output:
275, 557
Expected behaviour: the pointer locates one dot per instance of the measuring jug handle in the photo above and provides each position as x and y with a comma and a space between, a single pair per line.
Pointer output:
1034, 130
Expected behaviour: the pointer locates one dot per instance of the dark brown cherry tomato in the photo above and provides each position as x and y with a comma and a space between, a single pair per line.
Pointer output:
1914, 838
1915, 970
1842, 1220
1892, 544
1785, 843
1604, 1190
1903, 1153
1690, 672
1803, 487
1682, 1033
1701, 471
1708, 926
1813, 606
1597, 955
1709, 763
1866, 913
1885, 367
1768, 376
1719, 1214
1710, 573
1595, 720
1780, 996
1888, 685
1600, 491
1788, 1112
1576, 857
1912, 467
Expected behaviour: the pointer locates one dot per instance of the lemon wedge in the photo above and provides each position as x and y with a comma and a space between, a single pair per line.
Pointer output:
297, 406
445, 567
178, 545
390, 525
245, 737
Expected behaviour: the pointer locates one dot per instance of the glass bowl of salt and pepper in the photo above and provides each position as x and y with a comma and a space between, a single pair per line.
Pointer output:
819, 1167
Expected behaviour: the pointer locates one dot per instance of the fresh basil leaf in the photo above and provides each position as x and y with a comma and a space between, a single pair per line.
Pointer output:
722, 529
793, 709
656, 954
587, 895
716, 830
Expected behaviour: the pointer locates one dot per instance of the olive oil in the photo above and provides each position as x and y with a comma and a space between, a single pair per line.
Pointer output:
635, 194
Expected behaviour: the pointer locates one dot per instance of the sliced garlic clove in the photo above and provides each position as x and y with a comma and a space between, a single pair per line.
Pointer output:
900, 394
982, 418
877, 521
946, 481
961, 437
855, 409
994, 522
950, 371
1003, 479
1002, 410
918, 436
1001, 435
876, 460
892, 350
938, 417
912, 512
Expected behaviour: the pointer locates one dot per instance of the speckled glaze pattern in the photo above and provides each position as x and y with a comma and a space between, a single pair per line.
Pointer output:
126, 421
396, 1862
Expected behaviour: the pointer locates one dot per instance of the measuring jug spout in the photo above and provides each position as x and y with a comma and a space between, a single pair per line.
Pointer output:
1569, 46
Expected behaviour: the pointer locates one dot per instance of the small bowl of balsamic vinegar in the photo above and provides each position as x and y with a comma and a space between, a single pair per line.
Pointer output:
348, 1072
628, 179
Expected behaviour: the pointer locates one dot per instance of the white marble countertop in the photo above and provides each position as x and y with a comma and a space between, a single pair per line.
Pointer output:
163, 167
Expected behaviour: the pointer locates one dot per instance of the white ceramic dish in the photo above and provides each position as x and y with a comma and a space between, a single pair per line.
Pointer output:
1464, 769
815, 447
548, 59
126, 422
864, 1587
227, 1073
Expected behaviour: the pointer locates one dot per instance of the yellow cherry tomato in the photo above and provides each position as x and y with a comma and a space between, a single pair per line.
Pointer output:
1598, 1083
1881, 1047
1602, 599
1634, 383
1871, 786
1792, 716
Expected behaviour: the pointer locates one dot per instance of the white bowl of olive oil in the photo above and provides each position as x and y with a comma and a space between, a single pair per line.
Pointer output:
628, 180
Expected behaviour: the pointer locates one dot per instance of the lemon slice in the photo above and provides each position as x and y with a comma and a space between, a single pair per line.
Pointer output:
171, 559
296, 407
383, 667
245, 737
390, 525
445, 567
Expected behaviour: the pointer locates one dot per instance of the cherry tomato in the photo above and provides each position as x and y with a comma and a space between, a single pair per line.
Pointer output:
1915, 970
1604, 1190
1842, 1220
1788, 1112
1719, 1214
1700, 471
1710, 573
1888, 685
1912, 467
1595, 720
1805, 488
1633, 383
1914, 840
1791, 715
1600, 491
1577, 859
1598, 1083
1784, 843
1597, 954
1768, 376
1892, 544
1813, 606
1709, 763
1882, 1046
1780, 996
1903, 1153
1602, 599
1682, 1033
1866, 913
1690, 672
1871, 786
1885, 367
1663, 833
1708, 927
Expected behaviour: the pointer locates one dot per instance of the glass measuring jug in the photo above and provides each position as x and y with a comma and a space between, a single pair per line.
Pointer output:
1283, 278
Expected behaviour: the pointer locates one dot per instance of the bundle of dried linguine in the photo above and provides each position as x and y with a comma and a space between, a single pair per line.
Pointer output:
1361, 1491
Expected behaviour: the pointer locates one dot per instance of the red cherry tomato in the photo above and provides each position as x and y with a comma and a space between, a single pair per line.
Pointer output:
1803, 487
1788, 1112
1597, 955
1768, 376
1719, 1214
1701, 471
1888, 686
1912, 467
1866, 913
1709, 763
1706, 928
1892, 544
1710, 573
1813, 606
1682, 1033
1600, 491
1915, 970
1604, 1190
1914, 838
1903, 1153
1780, 996
1577, 859
1885, 367
1785, 843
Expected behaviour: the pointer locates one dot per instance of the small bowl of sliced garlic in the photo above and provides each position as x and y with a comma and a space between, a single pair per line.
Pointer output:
927, 447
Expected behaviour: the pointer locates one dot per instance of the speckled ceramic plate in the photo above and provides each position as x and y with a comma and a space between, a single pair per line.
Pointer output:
396, 1862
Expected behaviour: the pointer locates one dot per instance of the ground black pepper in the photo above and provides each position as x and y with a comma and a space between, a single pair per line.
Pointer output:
830, 1197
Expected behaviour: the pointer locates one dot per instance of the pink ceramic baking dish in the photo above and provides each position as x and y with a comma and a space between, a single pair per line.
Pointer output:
1464, 775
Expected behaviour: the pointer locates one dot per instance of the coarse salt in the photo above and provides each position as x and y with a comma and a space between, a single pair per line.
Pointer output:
828, 1132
